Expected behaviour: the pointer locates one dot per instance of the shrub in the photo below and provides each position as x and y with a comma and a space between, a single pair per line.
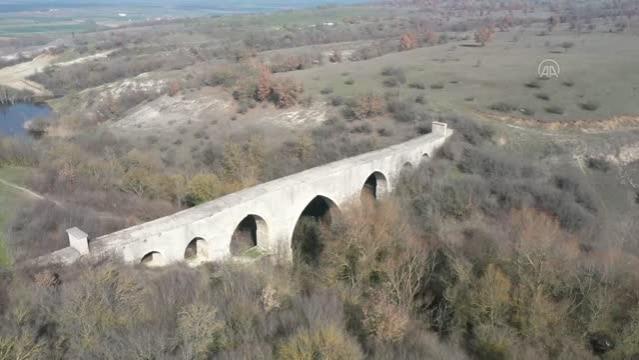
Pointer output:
555, 109
286, 93
533, 84
484, 35
437, 86
391, 82
542, 96
349, 82
306, 101
152, 139
589, 105
392, 71
502, 107
527, 111
17, 152
408, 41
337, 100
200, 331
417, 85
365, 128
368, 106
384, 132
395, 73
567, 45
328, 342
568, 83
327, 91
402, 111
599, 164
202, 188
420, 99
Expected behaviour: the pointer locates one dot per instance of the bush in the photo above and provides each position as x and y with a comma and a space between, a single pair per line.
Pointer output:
391, 82
365, 128
534, 84
328, 342
349, 82
527, 111
367, 106
337, 100
326, 91
589, 105
555, 109
417, 85
567, 45
420, 99
598, 164
402, 111
393, 71
503, 107
286, 93
542, 96
394, 76
17, 152
384, 132
568, 83
437, 86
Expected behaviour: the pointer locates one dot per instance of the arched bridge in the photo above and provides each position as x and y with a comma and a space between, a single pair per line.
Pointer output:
258, 219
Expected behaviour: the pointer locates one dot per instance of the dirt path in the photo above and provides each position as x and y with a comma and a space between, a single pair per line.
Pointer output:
16, 76
24, 190
101, 55
588, 126
34, 195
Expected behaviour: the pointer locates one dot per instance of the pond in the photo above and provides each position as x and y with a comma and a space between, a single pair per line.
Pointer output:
14, 116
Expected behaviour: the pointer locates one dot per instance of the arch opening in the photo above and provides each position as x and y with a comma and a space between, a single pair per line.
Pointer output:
375, 187
307, 243
248, 234
153, 258
196, 250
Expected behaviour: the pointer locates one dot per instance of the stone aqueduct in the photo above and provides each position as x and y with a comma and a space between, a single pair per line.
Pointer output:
267, 213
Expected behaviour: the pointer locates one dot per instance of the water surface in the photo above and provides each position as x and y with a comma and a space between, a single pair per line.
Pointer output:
13, 117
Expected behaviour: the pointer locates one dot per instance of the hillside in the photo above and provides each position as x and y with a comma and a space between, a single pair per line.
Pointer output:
515, 240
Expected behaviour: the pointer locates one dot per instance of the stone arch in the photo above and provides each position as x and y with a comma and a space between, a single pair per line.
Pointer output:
196, 250
153, 258
375, 187
248, 234
306, 242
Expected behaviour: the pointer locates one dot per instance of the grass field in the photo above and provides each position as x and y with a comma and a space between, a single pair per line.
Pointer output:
10, 201
461, 77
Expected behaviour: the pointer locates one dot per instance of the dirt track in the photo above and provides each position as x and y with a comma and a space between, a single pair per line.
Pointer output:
16, 76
